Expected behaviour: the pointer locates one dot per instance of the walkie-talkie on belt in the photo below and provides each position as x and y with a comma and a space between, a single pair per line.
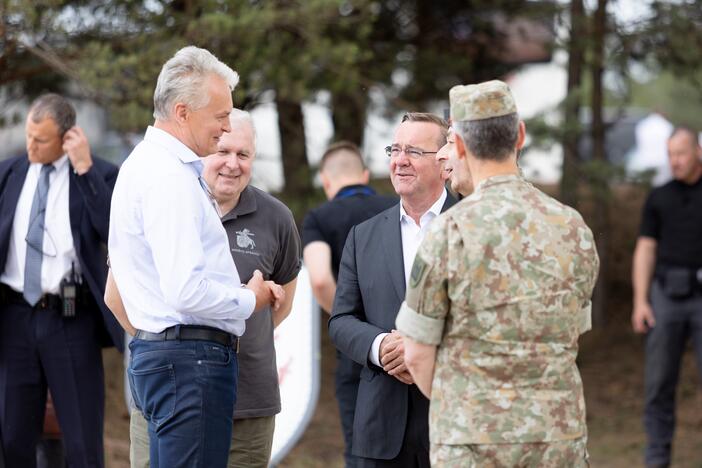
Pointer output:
69, 293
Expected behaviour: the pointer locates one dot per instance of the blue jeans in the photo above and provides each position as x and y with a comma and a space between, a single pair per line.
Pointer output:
186, 390
676, 321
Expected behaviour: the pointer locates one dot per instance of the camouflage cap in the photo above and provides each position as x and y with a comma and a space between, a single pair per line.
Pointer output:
481, 101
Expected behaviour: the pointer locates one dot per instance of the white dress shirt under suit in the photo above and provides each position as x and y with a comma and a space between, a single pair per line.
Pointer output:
412, 235
59, 252
169, 252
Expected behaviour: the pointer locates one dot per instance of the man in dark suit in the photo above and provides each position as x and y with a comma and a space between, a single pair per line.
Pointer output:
325, 228
390, 426
54, 212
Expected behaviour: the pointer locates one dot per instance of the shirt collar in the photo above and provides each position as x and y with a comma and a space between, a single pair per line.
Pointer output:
59, 164
356, 189
247, 204
435, 209
173, 145
497, 180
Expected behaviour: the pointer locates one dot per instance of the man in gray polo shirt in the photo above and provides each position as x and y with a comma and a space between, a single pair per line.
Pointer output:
262, 235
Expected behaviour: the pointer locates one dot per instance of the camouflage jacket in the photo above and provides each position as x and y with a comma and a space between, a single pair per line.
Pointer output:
502, 284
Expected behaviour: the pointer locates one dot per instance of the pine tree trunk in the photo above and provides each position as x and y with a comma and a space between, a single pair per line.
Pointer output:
600, 186
296, 169
571, 121
349, 115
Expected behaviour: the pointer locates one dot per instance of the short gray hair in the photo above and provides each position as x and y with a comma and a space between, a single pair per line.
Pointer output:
238, 116
490, 139
182, 80
55, 107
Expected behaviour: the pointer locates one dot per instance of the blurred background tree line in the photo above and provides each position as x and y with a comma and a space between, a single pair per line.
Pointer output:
411, 52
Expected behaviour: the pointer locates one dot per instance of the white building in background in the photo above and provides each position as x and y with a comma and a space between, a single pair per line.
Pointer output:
540, 89
651, 152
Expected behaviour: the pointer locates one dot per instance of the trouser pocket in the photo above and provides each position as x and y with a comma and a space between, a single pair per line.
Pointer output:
154, 392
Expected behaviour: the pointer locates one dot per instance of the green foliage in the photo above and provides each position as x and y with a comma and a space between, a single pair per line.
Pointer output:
280, 45
24, 26
442, 44
672, 37
679, 99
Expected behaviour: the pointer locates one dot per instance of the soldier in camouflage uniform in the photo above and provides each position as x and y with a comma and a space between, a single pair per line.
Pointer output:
498, 296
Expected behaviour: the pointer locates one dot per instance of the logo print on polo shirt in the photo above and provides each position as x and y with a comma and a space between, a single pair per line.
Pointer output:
244, 240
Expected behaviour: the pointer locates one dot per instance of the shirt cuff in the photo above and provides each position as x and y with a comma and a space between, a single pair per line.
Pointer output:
246, 301
419, 327
374, 354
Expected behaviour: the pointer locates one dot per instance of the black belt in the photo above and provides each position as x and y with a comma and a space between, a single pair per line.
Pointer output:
46, 301
191, 332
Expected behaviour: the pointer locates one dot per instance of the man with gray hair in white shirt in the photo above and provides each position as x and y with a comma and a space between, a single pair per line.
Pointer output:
171, 263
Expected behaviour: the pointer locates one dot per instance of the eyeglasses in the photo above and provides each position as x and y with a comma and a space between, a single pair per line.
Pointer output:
394, 151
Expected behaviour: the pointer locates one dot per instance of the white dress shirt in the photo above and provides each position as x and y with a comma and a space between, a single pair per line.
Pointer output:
412, 235
59, 253
169, 252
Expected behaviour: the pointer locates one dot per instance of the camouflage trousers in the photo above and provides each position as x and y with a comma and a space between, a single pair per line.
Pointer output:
558, 454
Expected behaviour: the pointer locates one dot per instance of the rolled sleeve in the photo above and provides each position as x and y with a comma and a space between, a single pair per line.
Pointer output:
421, 328
423, 314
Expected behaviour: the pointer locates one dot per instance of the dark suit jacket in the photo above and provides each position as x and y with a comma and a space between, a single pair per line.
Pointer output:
89, 199
369, 294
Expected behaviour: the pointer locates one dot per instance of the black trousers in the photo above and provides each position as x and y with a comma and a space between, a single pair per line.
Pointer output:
415, 444
677, 322
40, 349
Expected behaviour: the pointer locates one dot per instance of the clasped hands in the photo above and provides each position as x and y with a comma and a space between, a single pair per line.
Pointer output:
267, 292
392, 357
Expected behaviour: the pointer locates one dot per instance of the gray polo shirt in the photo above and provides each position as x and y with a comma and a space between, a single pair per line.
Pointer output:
262, 235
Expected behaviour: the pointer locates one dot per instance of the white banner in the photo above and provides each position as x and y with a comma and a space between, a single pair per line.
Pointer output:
297, 347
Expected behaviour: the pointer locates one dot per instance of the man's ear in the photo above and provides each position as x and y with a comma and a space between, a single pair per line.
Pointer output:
521, 135
365, 177
325, 180
461, 149
180, 112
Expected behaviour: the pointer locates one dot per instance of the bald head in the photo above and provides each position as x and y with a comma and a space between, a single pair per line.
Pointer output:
685, 155
342, 165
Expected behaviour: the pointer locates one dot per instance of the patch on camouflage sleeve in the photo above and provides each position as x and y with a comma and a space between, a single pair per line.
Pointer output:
419, 267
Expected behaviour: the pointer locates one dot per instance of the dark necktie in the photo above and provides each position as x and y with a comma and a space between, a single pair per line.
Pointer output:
35, 238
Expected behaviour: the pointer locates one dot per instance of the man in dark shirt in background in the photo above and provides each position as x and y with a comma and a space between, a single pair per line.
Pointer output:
667, 279
324, 231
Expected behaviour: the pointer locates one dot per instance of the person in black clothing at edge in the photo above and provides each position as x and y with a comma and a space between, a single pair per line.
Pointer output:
667, 278
324, 231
